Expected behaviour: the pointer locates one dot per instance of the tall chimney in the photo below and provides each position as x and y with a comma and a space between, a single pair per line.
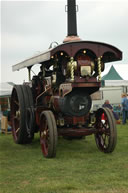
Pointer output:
72, 22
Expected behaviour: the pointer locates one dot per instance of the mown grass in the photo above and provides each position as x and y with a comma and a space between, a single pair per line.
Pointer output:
79, 167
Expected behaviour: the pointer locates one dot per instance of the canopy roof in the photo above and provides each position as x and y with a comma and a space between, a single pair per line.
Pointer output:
108, 52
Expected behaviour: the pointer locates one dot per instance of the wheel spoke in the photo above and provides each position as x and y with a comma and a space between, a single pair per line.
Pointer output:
44, 143
44, 136
107, 139
17, 103
17, 130
107, 130
46, 125
104, 136
104, 141
45, 147
15, 117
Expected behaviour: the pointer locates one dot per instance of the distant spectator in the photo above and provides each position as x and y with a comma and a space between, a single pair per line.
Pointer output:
119, 107
107, 105
124, 103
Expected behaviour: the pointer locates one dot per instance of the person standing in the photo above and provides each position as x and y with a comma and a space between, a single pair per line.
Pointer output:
108, 105
124, 103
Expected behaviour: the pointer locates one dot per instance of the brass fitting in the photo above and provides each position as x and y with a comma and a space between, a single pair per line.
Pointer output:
54, 79
99, 68
71, 67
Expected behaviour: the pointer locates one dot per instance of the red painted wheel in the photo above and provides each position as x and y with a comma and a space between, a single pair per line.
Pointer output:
106, 136
48, 134
21, 99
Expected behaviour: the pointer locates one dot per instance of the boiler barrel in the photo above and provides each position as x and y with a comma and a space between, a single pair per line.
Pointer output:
76, 103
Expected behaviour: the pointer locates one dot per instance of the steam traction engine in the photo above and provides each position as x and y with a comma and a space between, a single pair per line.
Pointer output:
57, 101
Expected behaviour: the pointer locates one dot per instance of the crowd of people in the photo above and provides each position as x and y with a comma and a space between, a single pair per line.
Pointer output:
124, 109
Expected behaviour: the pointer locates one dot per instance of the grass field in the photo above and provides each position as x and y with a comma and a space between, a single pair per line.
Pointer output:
79, 167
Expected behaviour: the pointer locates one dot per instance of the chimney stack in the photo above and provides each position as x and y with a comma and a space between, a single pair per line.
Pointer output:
71, 22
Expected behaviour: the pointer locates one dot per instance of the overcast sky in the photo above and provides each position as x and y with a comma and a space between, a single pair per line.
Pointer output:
28, 27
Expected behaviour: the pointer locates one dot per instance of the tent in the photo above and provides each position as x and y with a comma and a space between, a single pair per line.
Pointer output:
112, 75
5, 93
116, 72
114, 83
6, 89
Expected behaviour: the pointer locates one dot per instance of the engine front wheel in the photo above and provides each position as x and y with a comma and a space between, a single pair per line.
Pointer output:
48, 134
106, 135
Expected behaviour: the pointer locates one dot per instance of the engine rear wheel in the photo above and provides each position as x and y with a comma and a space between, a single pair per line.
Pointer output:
21, 99
106, 137
48, 134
